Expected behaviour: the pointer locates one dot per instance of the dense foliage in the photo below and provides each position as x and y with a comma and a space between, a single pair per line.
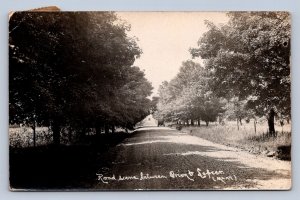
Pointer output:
246, 62
74, 69
250, 58
188, 97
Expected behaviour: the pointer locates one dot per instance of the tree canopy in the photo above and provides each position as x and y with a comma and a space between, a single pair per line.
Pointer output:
188, 97
74, 69
246, 71
250, 59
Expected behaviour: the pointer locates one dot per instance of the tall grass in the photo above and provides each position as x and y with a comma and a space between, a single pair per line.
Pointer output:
23, 137
245, 136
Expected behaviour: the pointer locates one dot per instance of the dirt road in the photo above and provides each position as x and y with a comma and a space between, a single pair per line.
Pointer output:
163, 158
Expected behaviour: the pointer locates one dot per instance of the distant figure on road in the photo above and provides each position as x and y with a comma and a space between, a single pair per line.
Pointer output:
160, 122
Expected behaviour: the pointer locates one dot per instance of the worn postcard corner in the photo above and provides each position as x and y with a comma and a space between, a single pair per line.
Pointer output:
42, 9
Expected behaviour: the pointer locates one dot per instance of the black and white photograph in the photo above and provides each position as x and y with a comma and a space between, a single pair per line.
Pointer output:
112, 101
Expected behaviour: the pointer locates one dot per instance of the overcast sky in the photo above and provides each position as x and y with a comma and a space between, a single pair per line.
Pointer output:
165, 39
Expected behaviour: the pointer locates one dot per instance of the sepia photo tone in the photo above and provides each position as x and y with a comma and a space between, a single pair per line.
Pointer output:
149, 101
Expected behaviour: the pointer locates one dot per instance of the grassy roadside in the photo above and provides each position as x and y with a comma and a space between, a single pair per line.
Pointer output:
246, 139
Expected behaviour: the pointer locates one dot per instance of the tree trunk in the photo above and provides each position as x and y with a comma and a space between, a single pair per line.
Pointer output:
192, 122
271, 122
241, 121
56, 133
207, 122
106, 128
33, 130
34, 134
98, 129
113, 128
198, 122
254, 125
82, 133
187, 122
237, 123
70, 130
281, 124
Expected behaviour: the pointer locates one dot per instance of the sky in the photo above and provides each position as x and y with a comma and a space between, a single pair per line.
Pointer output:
165, 39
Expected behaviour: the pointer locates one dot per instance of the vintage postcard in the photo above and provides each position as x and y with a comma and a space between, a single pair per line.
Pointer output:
149, 101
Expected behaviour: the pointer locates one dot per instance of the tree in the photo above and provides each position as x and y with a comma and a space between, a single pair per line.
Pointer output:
154, 102
113, 80
32, 62
210, 107
236, 110
188, 97
250, 59
131, 104
75, 69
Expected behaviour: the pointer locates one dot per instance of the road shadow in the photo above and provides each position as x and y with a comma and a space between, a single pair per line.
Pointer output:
50, 167
155, 153
150, 152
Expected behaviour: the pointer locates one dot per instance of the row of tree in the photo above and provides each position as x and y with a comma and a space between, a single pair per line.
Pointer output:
188, 98
74, 69
246, 72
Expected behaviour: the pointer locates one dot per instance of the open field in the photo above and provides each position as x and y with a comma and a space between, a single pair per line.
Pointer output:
246, 138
